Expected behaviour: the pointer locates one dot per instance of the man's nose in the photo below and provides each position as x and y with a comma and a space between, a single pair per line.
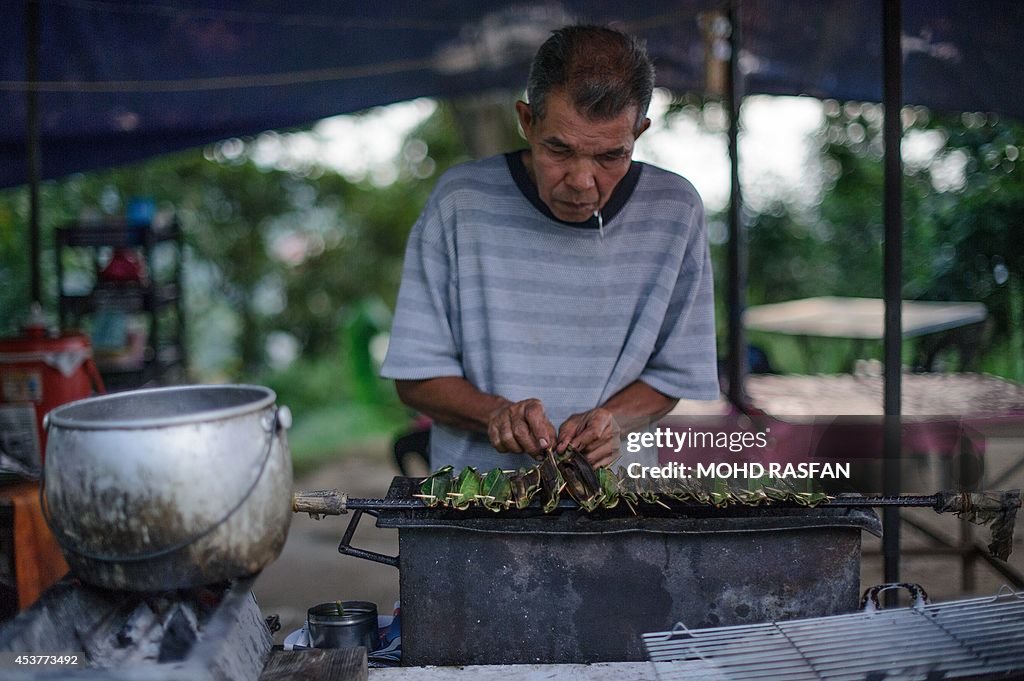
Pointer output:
580, 177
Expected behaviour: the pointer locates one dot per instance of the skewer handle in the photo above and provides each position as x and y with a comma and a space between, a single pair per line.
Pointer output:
320, 502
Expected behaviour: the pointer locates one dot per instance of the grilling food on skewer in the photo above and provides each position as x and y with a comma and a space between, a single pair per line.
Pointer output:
495, 491
525, 484
602, 489
434, 489
580, 480
609, 484
551, 482
465, 490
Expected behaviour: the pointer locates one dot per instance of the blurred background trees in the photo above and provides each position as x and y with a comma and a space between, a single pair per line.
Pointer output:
963, 196
293, 267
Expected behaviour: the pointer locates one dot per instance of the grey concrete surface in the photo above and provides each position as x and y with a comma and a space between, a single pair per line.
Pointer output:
603, 671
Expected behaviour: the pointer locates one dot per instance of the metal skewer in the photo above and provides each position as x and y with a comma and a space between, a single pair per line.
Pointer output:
333, 502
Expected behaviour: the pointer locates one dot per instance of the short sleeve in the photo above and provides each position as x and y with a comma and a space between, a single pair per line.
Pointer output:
684, 363
423, 342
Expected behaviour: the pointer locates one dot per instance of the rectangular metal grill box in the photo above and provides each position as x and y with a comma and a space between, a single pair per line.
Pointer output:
519, 587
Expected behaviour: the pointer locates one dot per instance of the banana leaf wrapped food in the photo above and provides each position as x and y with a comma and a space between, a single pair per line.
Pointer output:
495, 491
602, 489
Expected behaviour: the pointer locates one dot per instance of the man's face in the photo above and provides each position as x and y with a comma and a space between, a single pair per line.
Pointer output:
576, 162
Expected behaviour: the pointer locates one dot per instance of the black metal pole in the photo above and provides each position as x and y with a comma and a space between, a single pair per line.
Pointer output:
893, 278
32, 146
736, 359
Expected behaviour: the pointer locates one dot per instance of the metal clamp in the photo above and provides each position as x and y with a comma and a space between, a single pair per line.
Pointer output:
346, 548
870, 603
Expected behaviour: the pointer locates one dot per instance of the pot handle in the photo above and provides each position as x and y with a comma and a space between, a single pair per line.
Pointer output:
278, 422
320, 502
870, 603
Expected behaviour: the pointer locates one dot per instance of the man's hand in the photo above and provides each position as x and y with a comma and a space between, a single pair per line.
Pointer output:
521, 427
594, 433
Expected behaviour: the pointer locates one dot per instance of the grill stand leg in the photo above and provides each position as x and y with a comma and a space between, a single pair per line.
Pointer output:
346, 548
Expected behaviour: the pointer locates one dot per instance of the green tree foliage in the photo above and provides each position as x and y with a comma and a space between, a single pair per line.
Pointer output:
963, 207
299, 249
359, 252
979, 252
14, 287
275, 250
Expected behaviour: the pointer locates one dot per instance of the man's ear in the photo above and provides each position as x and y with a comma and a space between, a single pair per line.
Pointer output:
525, 117
642, 127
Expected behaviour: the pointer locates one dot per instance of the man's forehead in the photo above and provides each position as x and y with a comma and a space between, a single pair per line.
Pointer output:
592, 144
563, 120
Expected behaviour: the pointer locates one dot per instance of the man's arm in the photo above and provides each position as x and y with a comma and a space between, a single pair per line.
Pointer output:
596, 432
452, 400
637, 405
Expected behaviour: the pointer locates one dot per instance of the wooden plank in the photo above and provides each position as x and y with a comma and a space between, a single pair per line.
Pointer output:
342, 664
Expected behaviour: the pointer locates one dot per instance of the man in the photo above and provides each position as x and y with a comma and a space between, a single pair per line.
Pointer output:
564, 284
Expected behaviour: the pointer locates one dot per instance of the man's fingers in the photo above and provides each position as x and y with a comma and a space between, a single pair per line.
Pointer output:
567, 432
521, 427
493, 433
498, 441
500, 432
540, 427
525, 441
604, 454
593, 431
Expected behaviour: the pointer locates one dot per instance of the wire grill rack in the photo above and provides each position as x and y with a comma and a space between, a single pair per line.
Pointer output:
974, 638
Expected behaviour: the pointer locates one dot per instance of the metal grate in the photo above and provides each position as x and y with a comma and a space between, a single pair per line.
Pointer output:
954, 640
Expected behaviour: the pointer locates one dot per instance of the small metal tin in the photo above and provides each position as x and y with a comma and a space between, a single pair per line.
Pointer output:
356, 626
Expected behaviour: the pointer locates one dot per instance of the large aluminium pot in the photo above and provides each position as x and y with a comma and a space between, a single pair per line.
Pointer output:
170, 487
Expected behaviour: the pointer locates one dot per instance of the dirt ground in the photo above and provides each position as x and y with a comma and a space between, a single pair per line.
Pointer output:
310, 570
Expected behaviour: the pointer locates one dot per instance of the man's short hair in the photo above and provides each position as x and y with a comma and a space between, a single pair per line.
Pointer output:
603, 71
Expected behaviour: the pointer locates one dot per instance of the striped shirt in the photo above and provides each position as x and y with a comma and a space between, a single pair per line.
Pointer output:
497, 290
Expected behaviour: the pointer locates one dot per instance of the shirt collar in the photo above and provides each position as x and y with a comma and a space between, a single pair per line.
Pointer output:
620, 195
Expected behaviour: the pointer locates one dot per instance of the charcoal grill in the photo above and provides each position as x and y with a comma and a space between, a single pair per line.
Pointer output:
524, 587
980, 638
204, 634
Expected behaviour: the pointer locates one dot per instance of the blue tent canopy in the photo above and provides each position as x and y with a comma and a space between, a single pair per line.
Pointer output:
122, 81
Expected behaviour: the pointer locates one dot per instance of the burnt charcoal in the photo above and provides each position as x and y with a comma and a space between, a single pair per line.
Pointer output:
179, 636
136, 639
214, 632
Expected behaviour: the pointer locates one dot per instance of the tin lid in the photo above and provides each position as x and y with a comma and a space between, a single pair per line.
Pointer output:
350, 612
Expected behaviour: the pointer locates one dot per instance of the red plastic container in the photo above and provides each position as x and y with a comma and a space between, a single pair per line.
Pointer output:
37, 373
